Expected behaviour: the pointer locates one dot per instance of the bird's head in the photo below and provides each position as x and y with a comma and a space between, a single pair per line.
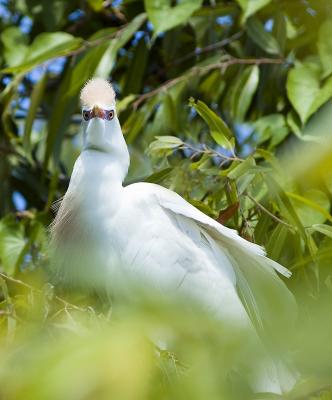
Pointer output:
100, 122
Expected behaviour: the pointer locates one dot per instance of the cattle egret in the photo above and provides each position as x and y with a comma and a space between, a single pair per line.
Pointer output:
106, 235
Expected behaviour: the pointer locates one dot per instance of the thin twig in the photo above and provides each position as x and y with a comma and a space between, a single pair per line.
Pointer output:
207, 49
59, 299
194, 71
260, 206
211, 152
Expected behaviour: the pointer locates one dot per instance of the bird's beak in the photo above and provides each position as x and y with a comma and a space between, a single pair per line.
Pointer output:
97, 112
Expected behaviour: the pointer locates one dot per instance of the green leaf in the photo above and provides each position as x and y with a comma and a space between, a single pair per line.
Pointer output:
96, 5
304, 90
276, 243
46, 46
265, 40
159, 176
322, 228
136, 69
272, 127
106, 63
165, 142
12, 245
243, 91
286, 206
325, 47
312, 208
241, 168
219, 131
164, 16
15, 45
138, 120
35, 100
250, 7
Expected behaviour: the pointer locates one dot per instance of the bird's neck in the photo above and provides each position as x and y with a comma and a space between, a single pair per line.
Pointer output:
95, 169
98, 177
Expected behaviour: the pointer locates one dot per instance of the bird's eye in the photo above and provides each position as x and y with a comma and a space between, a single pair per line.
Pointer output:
110, 114
86, 115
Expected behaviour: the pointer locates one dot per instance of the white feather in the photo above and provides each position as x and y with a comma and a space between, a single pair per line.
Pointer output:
97, 91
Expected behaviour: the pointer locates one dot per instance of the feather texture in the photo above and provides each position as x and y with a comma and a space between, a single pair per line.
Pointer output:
97, 91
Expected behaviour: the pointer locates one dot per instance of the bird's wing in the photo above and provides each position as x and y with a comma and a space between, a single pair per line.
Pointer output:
264, 294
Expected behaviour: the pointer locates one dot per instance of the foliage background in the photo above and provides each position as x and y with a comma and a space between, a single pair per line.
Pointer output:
225, 102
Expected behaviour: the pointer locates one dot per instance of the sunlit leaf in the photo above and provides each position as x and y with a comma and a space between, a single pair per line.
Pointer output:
165, 142
96, 5
250, 7
218, 128
241, 168
272, 127
15, 45
46, 46
305, 92
164, 16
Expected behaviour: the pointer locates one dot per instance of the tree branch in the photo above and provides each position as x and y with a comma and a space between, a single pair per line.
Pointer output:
194, 71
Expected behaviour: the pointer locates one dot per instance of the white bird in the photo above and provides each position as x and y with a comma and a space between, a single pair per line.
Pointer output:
106, 235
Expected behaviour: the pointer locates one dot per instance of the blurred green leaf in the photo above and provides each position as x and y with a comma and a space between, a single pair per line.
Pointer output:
15, 45
46, 46
106, 62
96, 5
136, 69
250, 7
272, 127
322, 228
312, 208
265, 40
305, 92
35, 100
219, 131
325, 47
12, 245
241, 168
164, 16
276, 243
286, 206
243, 91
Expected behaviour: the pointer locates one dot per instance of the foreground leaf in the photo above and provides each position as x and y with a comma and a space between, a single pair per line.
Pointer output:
304, 90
